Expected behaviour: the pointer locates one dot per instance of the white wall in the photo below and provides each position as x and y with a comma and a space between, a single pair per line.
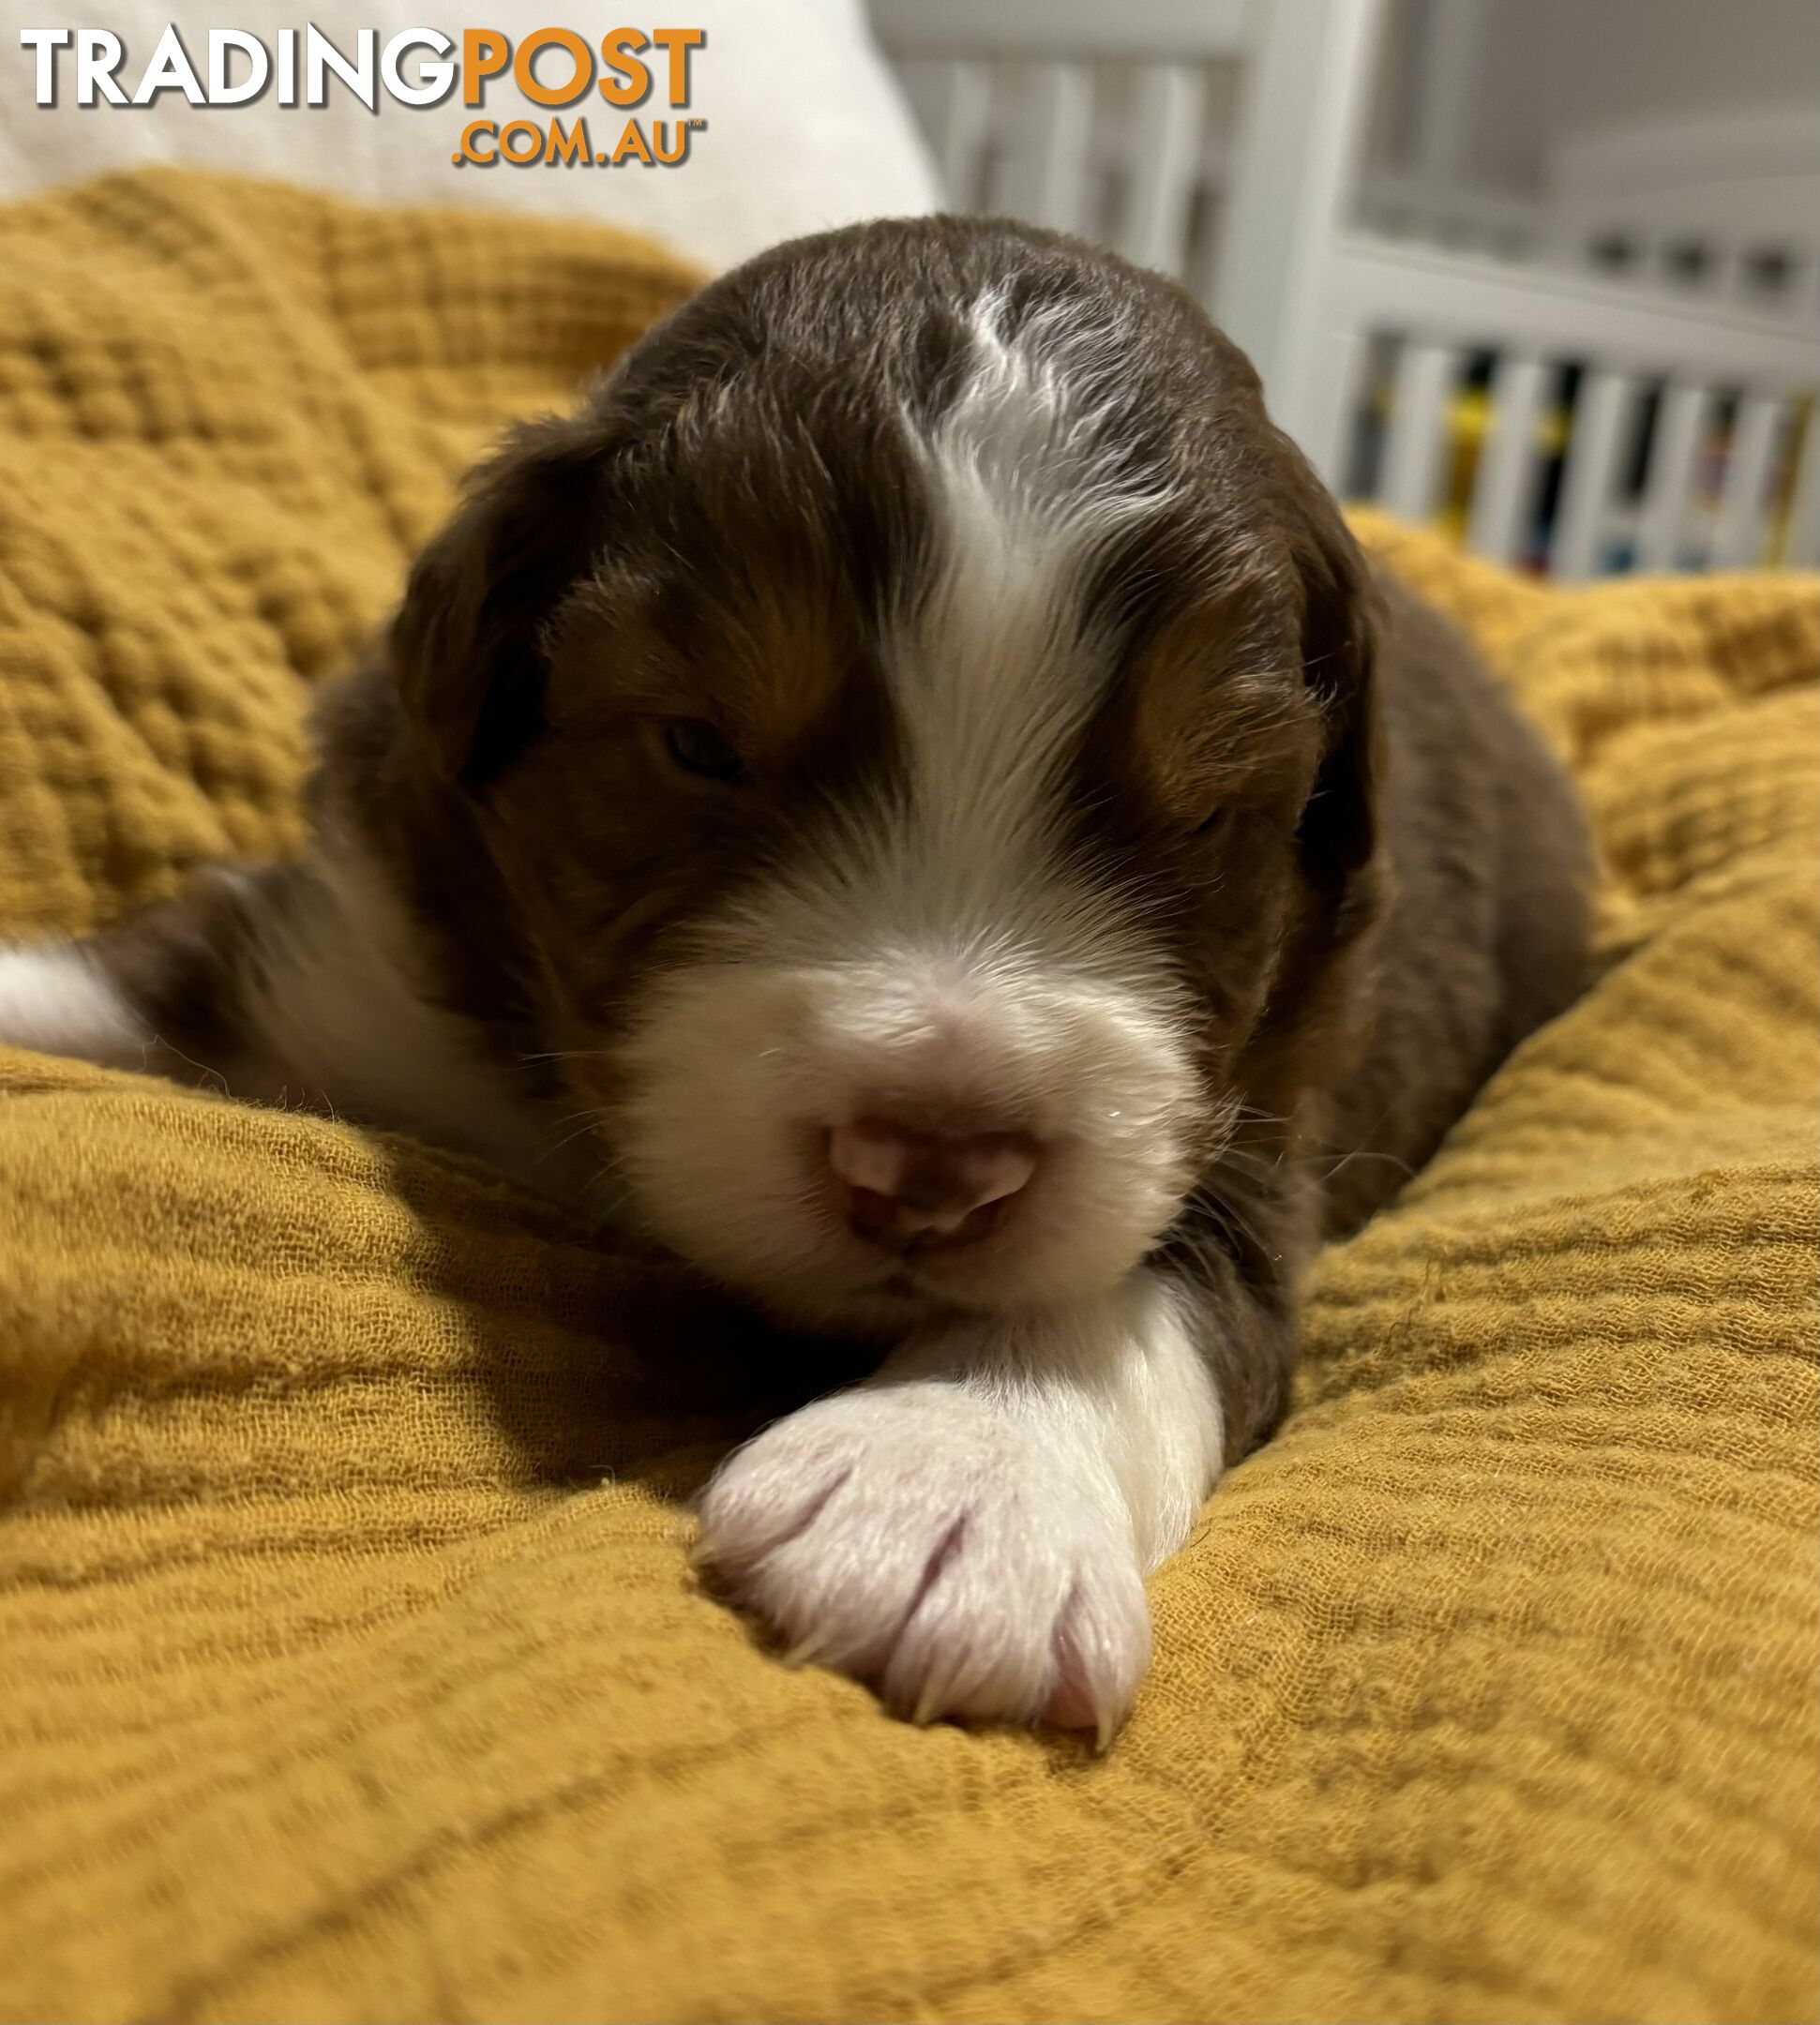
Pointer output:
1554, 66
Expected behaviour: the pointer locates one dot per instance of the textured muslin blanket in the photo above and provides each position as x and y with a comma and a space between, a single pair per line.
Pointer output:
350, 1665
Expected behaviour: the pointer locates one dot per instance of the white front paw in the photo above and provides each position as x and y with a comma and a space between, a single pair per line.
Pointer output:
966, 1561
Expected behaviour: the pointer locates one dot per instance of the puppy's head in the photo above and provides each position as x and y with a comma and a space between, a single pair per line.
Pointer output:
921, 711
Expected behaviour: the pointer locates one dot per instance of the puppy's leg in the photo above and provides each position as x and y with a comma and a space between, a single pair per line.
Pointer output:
305, 985
168, 991
970, 1528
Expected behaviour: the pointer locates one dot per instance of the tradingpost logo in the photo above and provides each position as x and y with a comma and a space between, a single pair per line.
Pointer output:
618, 82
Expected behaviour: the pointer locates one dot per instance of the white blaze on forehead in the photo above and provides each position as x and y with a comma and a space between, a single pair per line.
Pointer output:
995, 662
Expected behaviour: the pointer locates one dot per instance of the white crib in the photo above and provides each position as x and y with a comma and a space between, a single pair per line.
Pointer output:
1447, 354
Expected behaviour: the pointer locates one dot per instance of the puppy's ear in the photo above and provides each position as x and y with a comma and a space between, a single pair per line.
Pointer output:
465, 647
1339, 829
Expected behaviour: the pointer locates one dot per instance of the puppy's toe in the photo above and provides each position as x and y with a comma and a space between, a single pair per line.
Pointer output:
1102, 1646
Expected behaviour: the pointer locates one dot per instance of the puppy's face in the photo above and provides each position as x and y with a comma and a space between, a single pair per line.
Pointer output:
919, 711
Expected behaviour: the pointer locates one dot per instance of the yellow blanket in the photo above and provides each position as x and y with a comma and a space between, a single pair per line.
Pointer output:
350, 1662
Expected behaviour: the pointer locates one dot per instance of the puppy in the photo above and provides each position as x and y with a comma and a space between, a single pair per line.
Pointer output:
919, 763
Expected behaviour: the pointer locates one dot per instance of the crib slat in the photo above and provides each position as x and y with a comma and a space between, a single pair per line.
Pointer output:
1504, 489
1046, 178
1727, 277
1801, 545
1327, 440
1600, 418
1167, 106
1673, 471
1757, 431
962, 98
1425, 375
1804, 298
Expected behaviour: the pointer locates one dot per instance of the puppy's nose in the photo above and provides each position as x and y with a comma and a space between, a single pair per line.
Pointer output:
909, 1189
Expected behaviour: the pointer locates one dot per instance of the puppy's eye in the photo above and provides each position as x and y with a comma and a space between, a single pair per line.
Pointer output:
699, 747
1210, 825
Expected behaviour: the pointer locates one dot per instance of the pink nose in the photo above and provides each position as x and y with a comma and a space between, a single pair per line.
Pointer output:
909, 1189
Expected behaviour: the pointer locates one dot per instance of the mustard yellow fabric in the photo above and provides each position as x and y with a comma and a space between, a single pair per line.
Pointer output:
351, 1665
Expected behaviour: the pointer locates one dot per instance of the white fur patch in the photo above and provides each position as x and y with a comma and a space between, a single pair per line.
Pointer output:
54, 999
995, 666
970, 1528
739, 1068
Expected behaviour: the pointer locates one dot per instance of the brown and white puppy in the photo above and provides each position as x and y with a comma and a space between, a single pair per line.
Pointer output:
918, 761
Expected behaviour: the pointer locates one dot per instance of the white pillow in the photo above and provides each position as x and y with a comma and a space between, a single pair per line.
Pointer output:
804, 124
